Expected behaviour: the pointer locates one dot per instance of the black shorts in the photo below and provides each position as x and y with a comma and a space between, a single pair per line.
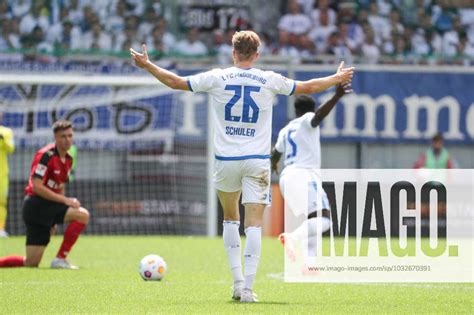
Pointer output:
40, 215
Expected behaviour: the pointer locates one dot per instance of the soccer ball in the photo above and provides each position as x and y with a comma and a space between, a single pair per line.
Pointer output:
152, 267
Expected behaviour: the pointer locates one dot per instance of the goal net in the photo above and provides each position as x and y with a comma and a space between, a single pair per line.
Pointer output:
142, 156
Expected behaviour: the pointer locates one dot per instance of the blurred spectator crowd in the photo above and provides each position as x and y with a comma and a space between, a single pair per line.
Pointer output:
307, 31
397, 31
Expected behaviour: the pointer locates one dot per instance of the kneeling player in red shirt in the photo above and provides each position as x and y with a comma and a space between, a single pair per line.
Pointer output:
45, 204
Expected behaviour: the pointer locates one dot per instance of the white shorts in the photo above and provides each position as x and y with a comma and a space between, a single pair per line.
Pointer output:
303, 185
251, 176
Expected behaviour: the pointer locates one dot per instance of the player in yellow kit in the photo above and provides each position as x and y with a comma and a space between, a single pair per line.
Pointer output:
7, 147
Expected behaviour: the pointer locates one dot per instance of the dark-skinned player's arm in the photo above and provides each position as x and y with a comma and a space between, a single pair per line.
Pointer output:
275, 158
322, 111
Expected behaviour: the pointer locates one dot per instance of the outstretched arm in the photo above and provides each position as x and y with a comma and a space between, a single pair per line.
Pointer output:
166, 77
343, 75
322, 111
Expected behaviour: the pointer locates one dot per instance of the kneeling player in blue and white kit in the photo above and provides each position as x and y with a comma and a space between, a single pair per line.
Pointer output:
299, 141
242, 111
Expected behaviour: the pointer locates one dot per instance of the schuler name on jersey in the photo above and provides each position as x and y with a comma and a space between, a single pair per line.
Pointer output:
236, 131
242, 101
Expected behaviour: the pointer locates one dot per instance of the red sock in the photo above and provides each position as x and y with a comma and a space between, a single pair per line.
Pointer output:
70, 237
12, 261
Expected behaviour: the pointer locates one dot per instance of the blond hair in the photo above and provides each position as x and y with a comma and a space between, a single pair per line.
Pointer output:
61, 125
246, 44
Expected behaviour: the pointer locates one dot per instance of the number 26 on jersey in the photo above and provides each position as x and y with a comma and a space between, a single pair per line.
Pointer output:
250, 109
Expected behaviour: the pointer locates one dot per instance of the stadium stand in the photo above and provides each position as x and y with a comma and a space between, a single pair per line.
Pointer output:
305, 31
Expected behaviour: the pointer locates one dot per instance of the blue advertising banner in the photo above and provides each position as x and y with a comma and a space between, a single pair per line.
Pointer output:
401, 107
385, 107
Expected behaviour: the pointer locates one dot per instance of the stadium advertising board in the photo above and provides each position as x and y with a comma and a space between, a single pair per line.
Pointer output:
211, 15
402, 107
385, 107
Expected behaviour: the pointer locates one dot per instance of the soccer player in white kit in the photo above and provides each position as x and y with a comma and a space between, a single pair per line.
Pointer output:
299, 140
242, 111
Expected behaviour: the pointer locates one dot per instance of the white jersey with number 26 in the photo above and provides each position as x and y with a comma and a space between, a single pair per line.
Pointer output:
300, 143
242, 109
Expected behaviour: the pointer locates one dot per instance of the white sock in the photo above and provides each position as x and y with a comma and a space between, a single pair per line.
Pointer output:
252, 251
232, 244
315, 226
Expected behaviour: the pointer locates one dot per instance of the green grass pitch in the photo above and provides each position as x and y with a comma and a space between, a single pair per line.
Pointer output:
198, 281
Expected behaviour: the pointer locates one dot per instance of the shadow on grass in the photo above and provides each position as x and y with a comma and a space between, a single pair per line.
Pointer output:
260, 303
